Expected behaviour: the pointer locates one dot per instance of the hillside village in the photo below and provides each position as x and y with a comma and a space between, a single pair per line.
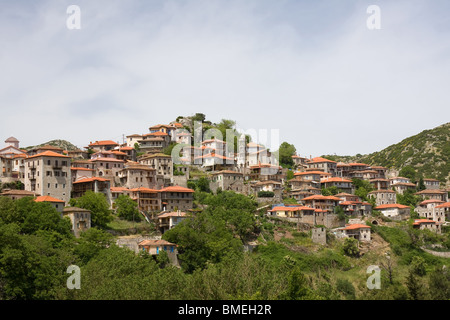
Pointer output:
315, 192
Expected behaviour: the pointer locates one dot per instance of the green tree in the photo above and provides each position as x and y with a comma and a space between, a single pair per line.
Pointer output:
408, 172
127, 208
418, 266
350, 247
203, 185
285, 153
97, 204
439, 284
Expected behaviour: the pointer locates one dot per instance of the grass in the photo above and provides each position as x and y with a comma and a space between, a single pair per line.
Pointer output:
129, 227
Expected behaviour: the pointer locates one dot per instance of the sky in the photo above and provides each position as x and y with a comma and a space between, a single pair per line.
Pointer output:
312, 71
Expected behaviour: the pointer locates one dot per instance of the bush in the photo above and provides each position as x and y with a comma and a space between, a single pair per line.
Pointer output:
266, 194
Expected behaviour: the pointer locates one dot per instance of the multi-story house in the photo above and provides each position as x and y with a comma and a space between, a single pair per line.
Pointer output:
95, 184
132, 139
48, 173
383, 196
342, 184
134, 176
394, 211
148, 200
380, 183
323, 164
432, 184
428, 209
227, 180
103, 145
176, 198
108, 168
433, 194
162, 163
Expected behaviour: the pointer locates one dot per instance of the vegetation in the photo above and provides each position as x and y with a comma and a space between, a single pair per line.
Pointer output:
427, 153
97, 204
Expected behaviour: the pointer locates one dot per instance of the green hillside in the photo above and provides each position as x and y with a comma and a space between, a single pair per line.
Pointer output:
427, 152
63, 144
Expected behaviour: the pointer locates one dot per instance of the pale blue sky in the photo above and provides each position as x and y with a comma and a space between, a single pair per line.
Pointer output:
311, 69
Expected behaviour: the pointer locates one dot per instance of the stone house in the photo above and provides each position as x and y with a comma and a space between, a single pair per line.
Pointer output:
289, 211
327, 203
401, 187
176, 198
298, 183
227, 180
433, 194
132, 139
266, 172
394, 211
214, 161
80, 218
444, 210
48, 173
108, 168
55, 203
103, 145
148, 200
323, 164
168, 220
431, 184
95, 184
134, 176
342, 184
360, 232
154, 247
79, 173
380, 184
162, 163
383, 196
18, 194
429, 210
425, 224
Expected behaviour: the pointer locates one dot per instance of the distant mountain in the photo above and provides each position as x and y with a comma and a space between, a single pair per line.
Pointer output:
63, 144
427, 152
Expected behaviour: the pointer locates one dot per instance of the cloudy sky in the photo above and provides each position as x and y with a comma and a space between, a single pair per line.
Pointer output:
310, 69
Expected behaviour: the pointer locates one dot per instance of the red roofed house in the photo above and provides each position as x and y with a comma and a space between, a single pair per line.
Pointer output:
79, 173
324, 210
383, 196
433, 194
80, 218
394, 211
108, 168
360, 232
444, 210
103, 145
342, 184
323, 164
56, 203
290, 211
432, 184
176, 198
428, 209
95, 184
148, 200
168, 220
137, 175
425, 224
48, 173
154, 247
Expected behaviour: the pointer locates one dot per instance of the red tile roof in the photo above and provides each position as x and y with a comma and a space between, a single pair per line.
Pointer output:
420, 221
444, 205
321, 197
47, 199
48, 154
91, 180
176, 189
104, 143
299, 208
335, 179
392, 205
320, 159
81, 169
356, 226
305, 173
172, 214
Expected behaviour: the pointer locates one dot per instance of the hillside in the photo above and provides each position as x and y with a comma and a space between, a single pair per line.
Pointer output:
427, 152
63, 144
